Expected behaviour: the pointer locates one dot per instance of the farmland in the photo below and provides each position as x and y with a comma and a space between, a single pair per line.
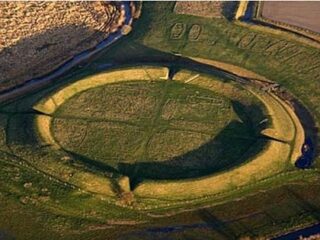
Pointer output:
185, 136
27, 53
288, 13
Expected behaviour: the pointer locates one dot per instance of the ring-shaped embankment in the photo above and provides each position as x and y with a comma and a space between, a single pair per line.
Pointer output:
285, 130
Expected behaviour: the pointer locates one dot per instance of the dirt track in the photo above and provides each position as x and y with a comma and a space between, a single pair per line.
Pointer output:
301, 14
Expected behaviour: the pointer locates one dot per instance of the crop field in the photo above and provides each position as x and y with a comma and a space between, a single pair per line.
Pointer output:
294, 13
190, 127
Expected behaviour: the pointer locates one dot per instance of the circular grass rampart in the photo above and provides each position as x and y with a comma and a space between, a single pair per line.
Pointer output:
274, 145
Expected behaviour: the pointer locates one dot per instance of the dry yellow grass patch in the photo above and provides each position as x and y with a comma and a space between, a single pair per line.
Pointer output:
269, 162
241, 9
299, 138
59, 31
47, 106
217, 86
142, 73
203, 81
124, 184
43, 124
156, 73
184, 75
